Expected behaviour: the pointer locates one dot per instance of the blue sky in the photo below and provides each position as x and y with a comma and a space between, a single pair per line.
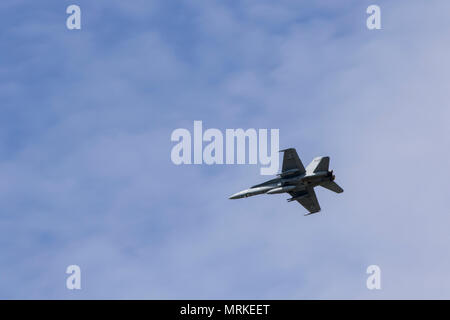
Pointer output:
85, 170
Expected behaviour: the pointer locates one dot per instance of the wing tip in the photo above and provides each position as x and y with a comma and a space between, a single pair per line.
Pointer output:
310, 213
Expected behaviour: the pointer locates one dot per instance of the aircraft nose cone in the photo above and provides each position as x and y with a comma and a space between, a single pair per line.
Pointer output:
238, 195
235, 196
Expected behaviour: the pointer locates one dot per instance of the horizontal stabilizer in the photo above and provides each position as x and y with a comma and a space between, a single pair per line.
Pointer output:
333, 186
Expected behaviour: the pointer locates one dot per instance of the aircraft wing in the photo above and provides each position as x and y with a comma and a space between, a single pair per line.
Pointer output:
309, 200
292, 161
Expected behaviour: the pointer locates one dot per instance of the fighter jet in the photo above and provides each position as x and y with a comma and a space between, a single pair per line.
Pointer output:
297, 181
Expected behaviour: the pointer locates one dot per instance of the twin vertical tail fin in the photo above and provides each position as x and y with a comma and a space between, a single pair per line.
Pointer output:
322, 164
318, 164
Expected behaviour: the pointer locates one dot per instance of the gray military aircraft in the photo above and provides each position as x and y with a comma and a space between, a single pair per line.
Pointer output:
297, 181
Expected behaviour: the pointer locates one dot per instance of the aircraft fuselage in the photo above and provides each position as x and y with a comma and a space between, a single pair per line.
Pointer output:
286, 184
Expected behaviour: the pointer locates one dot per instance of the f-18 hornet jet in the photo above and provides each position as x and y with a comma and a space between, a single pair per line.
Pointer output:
297, 181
